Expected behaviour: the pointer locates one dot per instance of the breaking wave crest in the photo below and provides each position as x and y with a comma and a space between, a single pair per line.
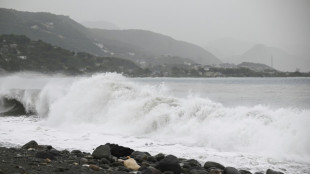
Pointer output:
119, 105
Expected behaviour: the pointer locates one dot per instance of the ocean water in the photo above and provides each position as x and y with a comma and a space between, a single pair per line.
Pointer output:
248, 123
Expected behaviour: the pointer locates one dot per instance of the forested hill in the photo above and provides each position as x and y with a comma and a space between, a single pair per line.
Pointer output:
19, 53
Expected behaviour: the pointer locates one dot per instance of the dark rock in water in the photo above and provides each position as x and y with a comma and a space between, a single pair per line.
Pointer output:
169, 163
231, 170
244, 172
210, 164
30, 144
259, 173
17, 108
45, 154
151, 170
159, 156
119, 151
191, 163
102, 151
269, 171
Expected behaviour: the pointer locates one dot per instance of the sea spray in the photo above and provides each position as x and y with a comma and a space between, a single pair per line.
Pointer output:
117, 105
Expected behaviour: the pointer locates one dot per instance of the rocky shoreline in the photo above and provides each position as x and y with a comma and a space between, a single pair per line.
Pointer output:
108, 159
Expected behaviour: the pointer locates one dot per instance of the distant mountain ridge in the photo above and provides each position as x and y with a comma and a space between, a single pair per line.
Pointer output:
234, 51
138, 45
275, 58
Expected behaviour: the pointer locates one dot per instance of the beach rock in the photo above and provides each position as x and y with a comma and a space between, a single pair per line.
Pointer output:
139, 156
244, 172
151, 159
159, 156
167, 172
269, 171
216, 171
45, 155
83, 161
94, 167
191, 163
77, 153
118, 172
119, 151
259, 173
231, 170
131, 164
198, 171
59, 169
102, 151
169, 163
104, 161
30, 144
151, 170
210, 164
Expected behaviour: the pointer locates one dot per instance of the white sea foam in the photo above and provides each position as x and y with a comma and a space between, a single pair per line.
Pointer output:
110, 104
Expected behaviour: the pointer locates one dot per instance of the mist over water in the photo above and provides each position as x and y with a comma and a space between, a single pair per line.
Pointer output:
164, 110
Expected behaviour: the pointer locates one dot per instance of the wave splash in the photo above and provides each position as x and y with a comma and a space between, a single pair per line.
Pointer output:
120, 106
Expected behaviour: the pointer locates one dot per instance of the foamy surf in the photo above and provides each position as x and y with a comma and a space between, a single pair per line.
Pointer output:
89, 111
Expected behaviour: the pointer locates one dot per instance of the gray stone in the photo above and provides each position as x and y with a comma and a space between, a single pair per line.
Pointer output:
191, 163
159, 156
210, 164
245, 172
30, 144
269, 171
45, 155
231, 170
102, 151
199, 171
169, 163
216, 171
151, 170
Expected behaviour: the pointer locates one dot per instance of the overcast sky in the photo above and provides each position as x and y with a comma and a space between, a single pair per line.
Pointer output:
280, 23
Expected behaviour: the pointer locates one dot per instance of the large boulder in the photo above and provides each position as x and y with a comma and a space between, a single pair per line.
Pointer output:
102, 151
231, 170
210, 164
119, 151
169, 163
269, 171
